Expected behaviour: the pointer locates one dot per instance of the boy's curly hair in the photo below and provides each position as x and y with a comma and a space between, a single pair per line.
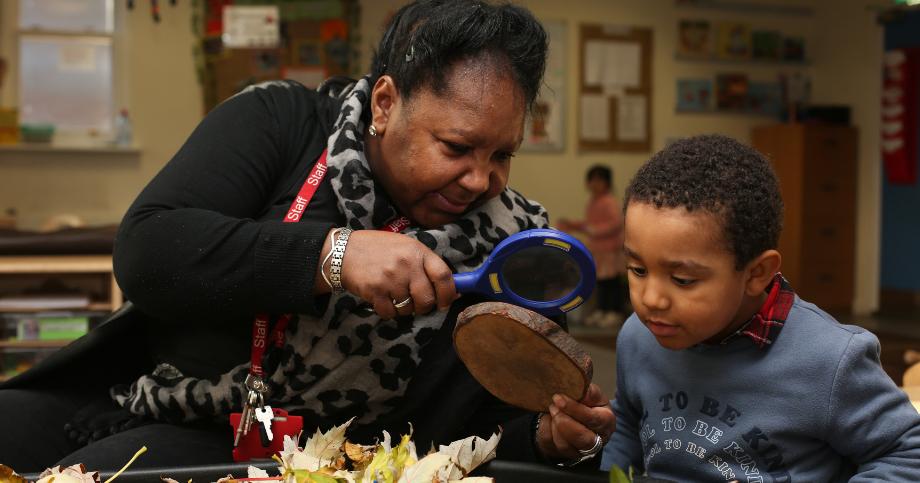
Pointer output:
720, 175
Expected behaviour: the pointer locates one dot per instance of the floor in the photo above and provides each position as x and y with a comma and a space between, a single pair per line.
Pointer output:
896, 334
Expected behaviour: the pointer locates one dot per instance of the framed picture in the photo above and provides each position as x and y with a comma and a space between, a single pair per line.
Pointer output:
545, 128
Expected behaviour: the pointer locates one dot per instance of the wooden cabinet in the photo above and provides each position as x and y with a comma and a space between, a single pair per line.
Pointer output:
40, 291
816, 166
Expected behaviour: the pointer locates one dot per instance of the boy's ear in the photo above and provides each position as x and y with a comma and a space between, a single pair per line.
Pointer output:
384, 96
761, 271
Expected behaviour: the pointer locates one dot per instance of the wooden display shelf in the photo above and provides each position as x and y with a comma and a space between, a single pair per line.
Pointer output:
66, 264
92, 307
34, 344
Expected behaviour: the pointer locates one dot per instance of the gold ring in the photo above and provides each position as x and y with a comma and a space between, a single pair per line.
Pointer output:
402, 304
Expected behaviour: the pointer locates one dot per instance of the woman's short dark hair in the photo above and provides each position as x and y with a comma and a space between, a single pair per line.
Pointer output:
722, 176
426, 37
600, 171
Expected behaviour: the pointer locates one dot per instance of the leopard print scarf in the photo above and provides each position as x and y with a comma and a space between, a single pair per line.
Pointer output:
349, 362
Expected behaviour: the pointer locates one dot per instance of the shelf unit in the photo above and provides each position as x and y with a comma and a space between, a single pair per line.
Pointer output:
89, 276
64, 265
743, 62
817, 170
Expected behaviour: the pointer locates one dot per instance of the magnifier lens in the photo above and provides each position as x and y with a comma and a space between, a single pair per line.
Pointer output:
541, 273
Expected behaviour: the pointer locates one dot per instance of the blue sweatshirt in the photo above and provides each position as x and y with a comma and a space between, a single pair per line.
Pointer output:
813, 406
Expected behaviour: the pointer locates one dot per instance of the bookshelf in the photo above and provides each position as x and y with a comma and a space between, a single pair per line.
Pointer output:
47, 301
65, 266
743, 62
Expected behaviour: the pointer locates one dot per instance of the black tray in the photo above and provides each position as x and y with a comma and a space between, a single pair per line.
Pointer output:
502, 471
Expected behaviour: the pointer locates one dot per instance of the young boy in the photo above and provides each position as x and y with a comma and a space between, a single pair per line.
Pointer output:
723, 373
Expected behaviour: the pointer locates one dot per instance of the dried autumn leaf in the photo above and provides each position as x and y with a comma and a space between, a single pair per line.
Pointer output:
426, 469
7, 475
71, 474
320, 450
467, 454
254, 472
388, 463
358, 453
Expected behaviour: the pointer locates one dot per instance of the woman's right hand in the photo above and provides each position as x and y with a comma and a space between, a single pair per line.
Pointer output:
382, 267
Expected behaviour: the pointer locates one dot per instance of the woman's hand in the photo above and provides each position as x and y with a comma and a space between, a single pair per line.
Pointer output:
571, 425
382, 267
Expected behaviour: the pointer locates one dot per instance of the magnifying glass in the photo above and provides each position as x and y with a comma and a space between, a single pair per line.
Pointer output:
547, 271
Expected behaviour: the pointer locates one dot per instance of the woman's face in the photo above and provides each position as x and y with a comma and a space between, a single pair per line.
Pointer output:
438, 156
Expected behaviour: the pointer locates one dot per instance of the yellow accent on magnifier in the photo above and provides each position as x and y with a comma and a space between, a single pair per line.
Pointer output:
575, 302
493, 279
557, 243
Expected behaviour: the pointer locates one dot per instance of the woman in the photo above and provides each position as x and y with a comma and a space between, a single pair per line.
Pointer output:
426, 141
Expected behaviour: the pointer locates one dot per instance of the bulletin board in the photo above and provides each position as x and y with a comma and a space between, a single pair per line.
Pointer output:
615, 88
244, 42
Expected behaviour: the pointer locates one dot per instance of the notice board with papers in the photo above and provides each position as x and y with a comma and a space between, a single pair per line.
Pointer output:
615, 90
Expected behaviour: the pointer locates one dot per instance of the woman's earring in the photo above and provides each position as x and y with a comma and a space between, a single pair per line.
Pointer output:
372, 130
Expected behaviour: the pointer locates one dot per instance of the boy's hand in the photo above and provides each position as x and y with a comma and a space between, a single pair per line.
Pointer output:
572, 425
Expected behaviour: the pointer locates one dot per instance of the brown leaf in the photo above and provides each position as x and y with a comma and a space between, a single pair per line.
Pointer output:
7, 475
358, 452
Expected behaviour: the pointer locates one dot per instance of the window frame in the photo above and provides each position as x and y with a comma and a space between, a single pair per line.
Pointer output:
10, 49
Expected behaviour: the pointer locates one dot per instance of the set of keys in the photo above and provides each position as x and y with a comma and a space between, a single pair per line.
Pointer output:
255, 411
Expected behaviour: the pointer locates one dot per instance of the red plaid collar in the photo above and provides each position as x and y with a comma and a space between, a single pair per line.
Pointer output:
765, 325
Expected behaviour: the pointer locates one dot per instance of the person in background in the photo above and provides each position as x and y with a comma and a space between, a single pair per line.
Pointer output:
603, 226
723, 372
404, 173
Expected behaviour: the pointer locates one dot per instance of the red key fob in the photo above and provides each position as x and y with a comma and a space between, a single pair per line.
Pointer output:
250, 446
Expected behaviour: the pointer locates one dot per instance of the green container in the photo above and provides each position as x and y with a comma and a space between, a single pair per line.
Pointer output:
36, 133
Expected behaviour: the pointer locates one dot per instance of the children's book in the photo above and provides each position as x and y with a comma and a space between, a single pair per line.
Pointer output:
794, 48
695, 39
734, 41
694, 94
766, 45
764, 98
731, 91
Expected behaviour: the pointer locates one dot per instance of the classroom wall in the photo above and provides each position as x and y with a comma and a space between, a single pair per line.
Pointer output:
164, 97
160, 89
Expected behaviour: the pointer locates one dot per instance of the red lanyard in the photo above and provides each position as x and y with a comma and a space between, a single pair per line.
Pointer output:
294, 214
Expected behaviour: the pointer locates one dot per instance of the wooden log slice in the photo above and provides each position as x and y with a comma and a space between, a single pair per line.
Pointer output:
520, 356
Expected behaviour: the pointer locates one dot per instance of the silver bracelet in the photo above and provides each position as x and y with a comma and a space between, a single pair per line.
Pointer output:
322, 266
338, 253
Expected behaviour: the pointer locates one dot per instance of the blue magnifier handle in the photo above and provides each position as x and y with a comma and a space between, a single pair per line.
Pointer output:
466, 282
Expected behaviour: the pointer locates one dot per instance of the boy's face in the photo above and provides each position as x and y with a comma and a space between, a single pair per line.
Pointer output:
682, 278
